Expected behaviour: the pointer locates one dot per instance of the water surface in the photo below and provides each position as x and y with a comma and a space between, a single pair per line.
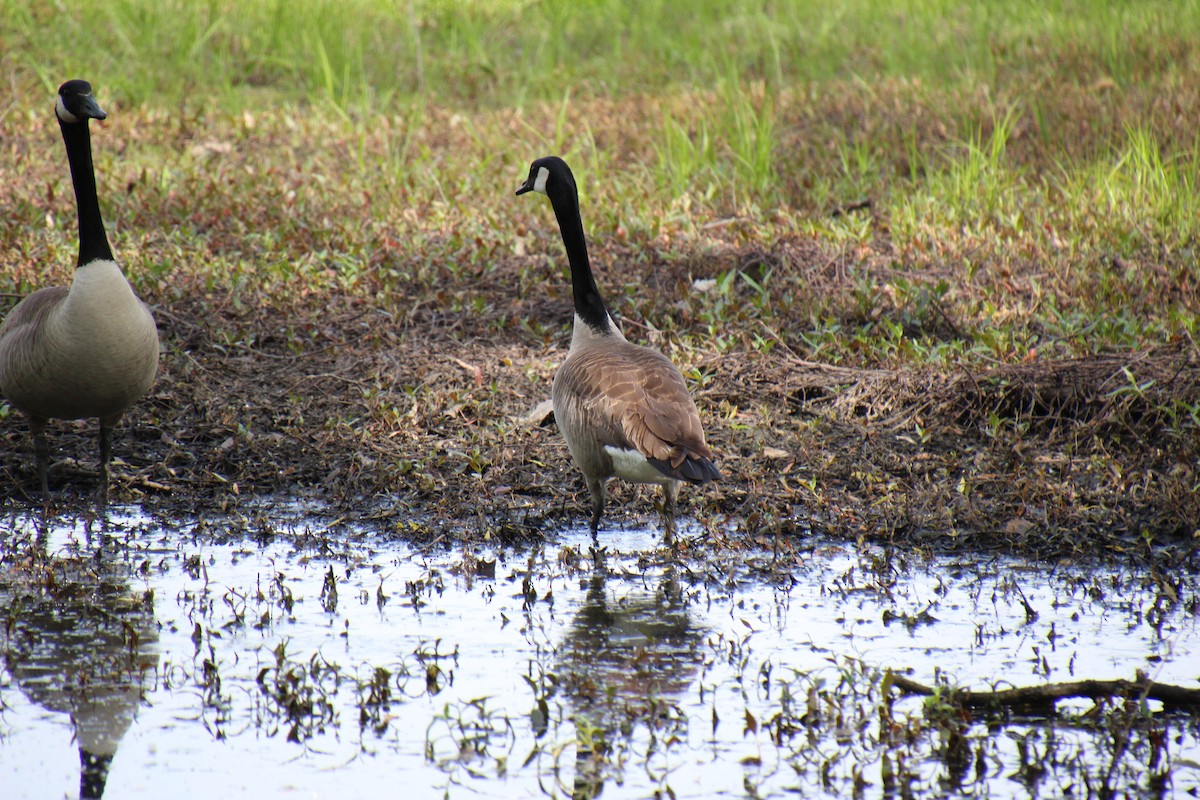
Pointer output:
290, 658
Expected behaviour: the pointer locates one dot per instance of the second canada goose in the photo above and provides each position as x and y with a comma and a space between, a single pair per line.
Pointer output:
90, 349
624, 409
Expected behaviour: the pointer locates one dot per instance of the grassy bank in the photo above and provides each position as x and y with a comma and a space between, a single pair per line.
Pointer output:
931, 268
507, 53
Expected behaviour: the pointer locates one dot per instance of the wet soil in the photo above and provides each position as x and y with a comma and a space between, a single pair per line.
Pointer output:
420, 421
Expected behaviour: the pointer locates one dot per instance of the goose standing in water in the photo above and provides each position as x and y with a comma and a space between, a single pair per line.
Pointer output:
90, 349
623, 409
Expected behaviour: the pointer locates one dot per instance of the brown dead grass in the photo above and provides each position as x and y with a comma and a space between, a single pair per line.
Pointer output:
424, 423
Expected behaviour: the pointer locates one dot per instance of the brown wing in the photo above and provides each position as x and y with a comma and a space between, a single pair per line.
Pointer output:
22, 327
635, 398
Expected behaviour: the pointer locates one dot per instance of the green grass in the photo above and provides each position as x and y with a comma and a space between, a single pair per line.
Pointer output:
1030, 168
958, 202
360, 54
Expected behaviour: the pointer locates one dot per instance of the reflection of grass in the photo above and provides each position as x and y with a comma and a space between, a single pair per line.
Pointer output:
846, 728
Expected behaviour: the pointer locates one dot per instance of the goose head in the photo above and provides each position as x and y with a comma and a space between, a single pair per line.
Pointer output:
547, 175
76, 103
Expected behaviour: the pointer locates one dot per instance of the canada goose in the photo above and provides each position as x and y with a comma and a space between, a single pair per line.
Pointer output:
88, 350
624, 409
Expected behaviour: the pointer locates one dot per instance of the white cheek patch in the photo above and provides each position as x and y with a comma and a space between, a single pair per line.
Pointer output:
60, 108
539, 183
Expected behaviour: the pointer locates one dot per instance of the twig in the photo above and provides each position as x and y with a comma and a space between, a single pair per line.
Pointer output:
475, 371
1026, 697
848, 208
779, 341
336, 377
721, 223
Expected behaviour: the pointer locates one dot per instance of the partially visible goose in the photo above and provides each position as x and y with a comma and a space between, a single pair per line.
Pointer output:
624, 409
88, 350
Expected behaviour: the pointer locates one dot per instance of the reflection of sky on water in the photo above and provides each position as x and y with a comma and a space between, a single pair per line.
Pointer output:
702, 638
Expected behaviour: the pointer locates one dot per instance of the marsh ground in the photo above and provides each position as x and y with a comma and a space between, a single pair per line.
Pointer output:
929, 268
947, 300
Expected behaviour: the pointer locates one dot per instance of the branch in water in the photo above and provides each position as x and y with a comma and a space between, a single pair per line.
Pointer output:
1033, 697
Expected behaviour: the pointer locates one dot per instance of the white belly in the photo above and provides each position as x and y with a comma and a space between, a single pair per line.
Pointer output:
633, 466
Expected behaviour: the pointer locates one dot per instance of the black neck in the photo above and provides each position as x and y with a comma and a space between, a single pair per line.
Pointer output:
93, 244
588, 303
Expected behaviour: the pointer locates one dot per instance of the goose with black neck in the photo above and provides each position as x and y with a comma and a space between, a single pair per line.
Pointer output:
623, 409
85, 350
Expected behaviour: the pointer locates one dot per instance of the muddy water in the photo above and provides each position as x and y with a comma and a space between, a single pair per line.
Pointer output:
287, 658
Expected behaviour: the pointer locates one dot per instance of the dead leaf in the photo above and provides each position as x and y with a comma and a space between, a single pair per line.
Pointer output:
538, 415
1018, 526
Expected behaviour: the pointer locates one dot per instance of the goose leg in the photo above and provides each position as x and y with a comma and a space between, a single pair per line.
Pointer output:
670, 499
41, 452
105, 455
596, 487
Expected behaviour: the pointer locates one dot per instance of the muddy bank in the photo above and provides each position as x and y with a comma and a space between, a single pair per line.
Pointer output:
419, 421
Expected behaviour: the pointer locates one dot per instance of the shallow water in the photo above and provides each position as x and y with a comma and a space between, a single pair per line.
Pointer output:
211, 659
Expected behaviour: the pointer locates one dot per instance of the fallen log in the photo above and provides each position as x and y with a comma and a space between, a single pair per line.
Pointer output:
1173, 698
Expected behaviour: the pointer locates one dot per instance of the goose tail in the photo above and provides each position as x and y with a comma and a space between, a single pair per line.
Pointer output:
691, 468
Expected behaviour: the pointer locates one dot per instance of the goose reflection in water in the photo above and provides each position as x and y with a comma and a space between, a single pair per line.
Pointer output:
624, 655
78, 640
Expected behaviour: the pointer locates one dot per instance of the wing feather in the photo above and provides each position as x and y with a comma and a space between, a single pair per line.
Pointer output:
21, 332
633, 397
